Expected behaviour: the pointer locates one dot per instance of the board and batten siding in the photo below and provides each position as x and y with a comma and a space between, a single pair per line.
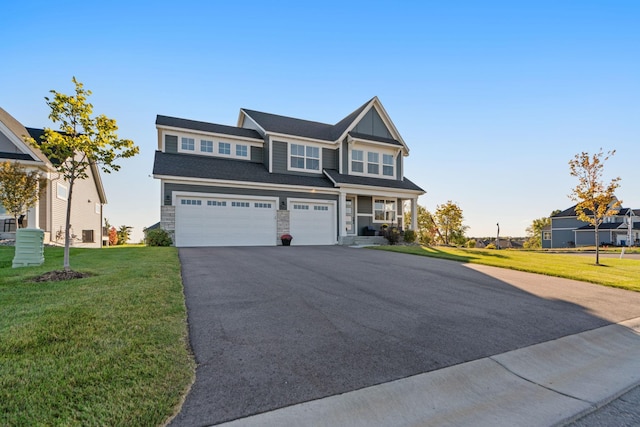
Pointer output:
329, 158
279, 156
170, 144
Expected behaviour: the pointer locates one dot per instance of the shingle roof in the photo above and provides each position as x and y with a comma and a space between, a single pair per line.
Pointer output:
206, 127
16, 156
305, 128
375, 138
339, 178
196, 166
609, 226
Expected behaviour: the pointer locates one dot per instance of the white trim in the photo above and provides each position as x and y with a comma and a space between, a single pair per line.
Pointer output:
197, 146
293, 169
248, 184
19, 143
365, 161
199, 132
302, 139
245, 115
332, 203
385, 199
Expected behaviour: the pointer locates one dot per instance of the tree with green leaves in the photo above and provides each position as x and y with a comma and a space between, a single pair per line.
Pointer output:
595, 199
534, 231
82, 141
124, 232
448, 218
19, 189
427, 230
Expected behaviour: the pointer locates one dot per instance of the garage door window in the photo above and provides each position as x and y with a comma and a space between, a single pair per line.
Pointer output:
195, 202
240, 204
262, 205
301, 207
216, 203
321, 208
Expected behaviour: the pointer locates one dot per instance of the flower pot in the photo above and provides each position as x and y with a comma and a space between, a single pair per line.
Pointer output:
286, 242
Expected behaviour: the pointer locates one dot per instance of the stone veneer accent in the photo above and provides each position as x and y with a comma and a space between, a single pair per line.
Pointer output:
168, 221
283, 225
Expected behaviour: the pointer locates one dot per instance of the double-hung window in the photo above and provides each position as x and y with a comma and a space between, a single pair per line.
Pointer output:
241, 150
373, 166
304, 157
188, 144
357, 161
387, 165
384, 210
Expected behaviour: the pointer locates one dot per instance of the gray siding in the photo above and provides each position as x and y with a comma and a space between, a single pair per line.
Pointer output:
257, 155
399, 171
170, 144
365, 204
569, 222
372, 124
345, 157
265, 153
6, 145
170, 188
329, 158
562, 238
588, 238
279, 157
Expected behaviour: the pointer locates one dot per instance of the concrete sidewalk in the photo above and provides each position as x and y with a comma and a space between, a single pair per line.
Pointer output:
546, 384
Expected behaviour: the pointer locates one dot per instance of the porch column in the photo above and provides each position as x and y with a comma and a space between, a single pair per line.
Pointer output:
414, 214
342, 222
33, 215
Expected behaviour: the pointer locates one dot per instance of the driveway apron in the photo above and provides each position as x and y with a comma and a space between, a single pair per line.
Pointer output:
274, 326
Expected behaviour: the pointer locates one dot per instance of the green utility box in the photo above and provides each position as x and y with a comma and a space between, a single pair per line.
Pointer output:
29, 247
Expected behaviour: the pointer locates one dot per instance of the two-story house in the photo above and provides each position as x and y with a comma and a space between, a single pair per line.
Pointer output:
248, 184
567, 231
49, 214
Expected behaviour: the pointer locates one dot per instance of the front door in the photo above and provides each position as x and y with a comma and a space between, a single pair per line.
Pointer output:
350, 216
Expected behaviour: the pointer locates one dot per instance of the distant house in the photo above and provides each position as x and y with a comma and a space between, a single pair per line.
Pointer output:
50, 212
567, 231
248, 184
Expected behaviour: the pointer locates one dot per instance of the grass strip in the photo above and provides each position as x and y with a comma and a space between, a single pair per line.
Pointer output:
109, 349
615, 272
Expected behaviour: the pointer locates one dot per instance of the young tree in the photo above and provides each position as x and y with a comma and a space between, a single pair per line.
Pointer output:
124, 232
82, 141
113, 236
19, 189
426, 228
449, 219
595, 200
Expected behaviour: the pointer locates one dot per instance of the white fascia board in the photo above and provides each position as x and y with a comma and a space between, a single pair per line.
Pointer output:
248, 184
367, 190
286, 138
24, 147
255, 141
243, 114
395, 148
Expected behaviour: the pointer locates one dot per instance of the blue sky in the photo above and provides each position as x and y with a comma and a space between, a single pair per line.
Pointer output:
492, 97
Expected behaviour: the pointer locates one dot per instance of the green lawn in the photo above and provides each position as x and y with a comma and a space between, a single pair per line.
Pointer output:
621, 273
110, 349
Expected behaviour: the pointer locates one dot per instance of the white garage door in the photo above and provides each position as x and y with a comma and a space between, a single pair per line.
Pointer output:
225, 221
312, 223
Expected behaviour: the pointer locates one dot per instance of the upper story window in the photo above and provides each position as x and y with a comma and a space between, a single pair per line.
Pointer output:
387, 164
357, 161
241, 150
188, 144
224, 148
206, 146
61, 191
304, 157
373, 166
376, 163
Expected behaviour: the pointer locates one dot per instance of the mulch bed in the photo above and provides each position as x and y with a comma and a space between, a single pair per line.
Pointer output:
57, 275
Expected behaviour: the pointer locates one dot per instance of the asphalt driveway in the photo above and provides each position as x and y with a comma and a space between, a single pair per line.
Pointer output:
271, 327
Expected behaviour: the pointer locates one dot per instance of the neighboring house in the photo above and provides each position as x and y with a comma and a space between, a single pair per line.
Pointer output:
247, 185
50, 212
567, 231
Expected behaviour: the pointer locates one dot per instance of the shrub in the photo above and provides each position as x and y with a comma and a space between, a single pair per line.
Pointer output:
391, 234
471, 243
409, 236
157, 237
490, 246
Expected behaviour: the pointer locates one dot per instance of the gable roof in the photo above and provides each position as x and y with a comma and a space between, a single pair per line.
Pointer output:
274, 123
341, 179
206, 127
18, 131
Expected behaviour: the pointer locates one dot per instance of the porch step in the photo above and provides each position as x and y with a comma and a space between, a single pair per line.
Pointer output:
369, 240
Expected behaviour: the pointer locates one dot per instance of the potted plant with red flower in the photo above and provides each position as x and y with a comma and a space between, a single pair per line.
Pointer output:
286, 239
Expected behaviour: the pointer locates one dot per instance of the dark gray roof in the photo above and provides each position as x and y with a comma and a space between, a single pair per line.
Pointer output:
196, 166
305, 128
15, 156
207, 127
609, 226
339, 178
571, 212
291, 126
375, 138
